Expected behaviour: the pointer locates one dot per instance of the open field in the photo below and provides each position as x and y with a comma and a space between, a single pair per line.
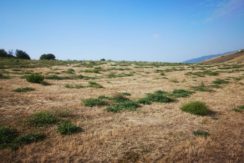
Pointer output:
139, 118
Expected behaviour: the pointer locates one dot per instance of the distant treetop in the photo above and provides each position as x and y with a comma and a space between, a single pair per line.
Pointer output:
22, 55
47, 57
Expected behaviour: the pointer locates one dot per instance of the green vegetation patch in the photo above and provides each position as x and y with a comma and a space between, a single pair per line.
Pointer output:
220, 82
100, 101
7, 136
43, 118
29, 138
35, 78
94, 85
24, 89
202, 88
159, 96
239, 108
126, 105
181, 93
68, 128
74, 86
201, 133
196, 108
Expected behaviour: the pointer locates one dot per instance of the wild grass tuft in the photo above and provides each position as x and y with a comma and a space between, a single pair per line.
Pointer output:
43, 118
126, 105
24, 89
197, 108
239, 108
201, 133
68, 128
181, 93
34, 78
100, 101
94, 85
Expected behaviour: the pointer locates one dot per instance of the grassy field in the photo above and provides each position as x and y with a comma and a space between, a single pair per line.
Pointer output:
106, 111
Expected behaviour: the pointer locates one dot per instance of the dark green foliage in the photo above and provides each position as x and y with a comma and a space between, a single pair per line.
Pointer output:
34, 78
100, 101
70, 71
127, 105
68, 128
74, 86
119, 98
7, 135
220, 81
42, 119
47, 57
24, 89
29, 138
159, 96
181, 93
202, 88
3, 53
22, 55
239, 108
94, 84
197, 108
201, 133
144, 101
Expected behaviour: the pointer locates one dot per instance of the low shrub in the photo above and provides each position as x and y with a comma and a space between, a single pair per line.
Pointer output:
74, 86
239, 108
100, 101
29, 138
159, 96
181, 93
34, 78
68, 128
94, 85
220, 81
197, 108
127, 105
201, 133
24, 89
42, 119
7, 136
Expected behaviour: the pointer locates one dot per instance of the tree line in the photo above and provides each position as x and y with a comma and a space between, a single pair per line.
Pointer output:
20, 54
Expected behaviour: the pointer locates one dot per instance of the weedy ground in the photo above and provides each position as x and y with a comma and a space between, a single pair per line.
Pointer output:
110, 111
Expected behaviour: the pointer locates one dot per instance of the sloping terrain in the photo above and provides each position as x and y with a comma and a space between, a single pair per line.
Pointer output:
237, 57
155, 130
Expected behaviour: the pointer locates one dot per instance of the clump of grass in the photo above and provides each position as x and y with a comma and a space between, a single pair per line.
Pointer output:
70, 71
74, 86
7, 136
114, 75
100, 101
197, 108
29, 138
2, 76
68, 128
126, 105
158, 96
181, 93
119, 98
201, 133
220, 82
24, 89
94, 85
239, 108
42, 119
34, 78
202, 88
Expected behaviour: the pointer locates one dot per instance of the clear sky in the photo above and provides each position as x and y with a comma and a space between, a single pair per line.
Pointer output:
149, 30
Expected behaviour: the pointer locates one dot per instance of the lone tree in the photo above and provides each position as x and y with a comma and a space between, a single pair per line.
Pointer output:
21, 54
47, 57
3, 53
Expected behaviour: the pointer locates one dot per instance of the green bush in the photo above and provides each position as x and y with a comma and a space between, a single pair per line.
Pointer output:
42, 118
239, 108
70, 71
7, 136
128, 105
220, 81
29, 138
197, 108
34, 78
94, 84
47, 57
159, 96
181, 93
22, 55
100, 101
24, 89
200, 133
67, 128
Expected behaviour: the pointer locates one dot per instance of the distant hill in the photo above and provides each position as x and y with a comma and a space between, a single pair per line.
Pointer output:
208, 57
237, 57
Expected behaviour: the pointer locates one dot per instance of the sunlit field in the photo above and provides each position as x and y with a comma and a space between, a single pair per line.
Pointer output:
107, 111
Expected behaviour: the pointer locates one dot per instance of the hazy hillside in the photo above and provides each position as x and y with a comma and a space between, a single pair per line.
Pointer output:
208, 57
237, 57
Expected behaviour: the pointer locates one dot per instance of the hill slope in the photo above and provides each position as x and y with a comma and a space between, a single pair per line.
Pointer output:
237, 57
208, 57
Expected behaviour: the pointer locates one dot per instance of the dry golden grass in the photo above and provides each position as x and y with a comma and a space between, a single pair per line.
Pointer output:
154, 133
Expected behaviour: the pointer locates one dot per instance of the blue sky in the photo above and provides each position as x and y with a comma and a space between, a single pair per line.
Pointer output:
146, 30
